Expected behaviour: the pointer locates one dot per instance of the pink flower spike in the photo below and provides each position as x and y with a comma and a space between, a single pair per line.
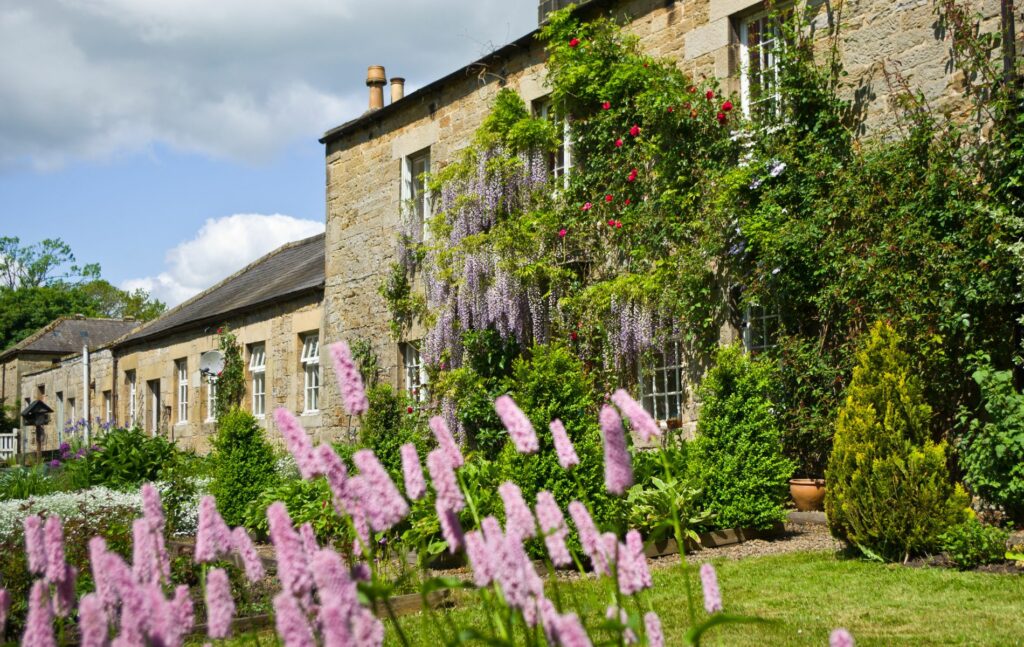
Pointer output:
292, 628
571, 632
443, 480
641, 421
840, 638
353, 394
292, 567
213, 538
246, 550
145, 566
39, 624
451, 529
412, 472
220, 606
35, 545
53, 537
334, 626
480, 559
297, 441
519, 521
652, 624
334, 584
336, 474
386, 505
618, 470
5, 608
92, 621
446, 441
517, 424
308, 537
552, 526
567, 457
709, 582
590, 538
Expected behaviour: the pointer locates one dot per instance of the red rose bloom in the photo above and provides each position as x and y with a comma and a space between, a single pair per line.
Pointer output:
573, 42
408, 409
632, 176
627, 200
608, 198
709, 95
618, 224
693, 89
727, 106
573, 335
607, 105
618, 143
611, 222
671, 109
721, 117
635, 130
562, 233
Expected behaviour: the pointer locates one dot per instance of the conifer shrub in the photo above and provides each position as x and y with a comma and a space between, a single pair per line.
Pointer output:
889, 490
243, 464
737, 455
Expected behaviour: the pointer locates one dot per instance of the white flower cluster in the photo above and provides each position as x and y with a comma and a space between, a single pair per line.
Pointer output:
67, 505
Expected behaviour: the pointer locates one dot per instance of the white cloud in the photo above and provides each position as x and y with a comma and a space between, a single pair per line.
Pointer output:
220, 248
228, 78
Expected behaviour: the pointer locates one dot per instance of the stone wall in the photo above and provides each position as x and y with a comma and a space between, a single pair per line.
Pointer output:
363, 161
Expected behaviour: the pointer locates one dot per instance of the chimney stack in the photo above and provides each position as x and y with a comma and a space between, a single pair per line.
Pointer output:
375, 79
397, 88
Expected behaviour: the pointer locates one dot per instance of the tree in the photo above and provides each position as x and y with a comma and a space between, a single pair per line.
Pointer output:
37, 265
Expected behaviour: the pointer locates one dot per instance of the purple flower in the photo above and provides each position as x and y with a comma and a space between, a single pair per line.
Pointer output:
220, 606
246, 550
451, 530
446, 441
480, 559
334, 626
349, 380
571, 632
635, 546
5, 608
517, 424
144, 559
618, 471
100, 574
39, 624
292, 568
567, 457
336, 474
840, 638
213, 538
590, 538
92, 621
641, 421
35, 546
443, 479
709, 582
54, 463
334, 584
615, 613
53, 537
552, 525
652, 624
415, 486
297, 441
518, 519
153, 510
308, 537
367, 630
65, 598
181, 609
355, 500
291, 623
386, 506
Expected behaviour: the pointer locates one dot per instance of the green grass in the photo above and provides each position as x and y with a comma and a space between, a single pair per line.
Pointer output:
806, 595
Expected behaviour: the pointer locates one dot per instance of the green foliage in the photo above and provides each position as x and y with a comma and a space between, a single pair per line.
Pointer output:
25, 482
307, 501
367, 361
388, 425
737, 455
657, 496
126, 458
971, 544
231, 379
992, 446
889, 490
244, 464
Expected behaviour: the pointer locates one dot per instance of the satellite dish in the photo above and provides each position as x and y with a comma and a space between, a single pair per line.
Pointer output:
211, 362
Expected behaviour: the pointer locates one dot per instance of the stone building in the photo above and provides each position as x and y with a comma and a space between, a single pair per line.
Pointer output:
151, 377
374, 161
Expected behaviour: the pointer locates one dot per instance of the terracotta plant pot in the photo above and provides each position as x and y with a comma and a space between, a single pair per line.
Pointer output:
808, 494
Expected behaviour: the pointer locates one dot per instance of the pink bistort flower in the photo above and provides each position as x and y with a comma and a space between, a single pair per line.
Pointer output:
246, 551
353, 394
709, 582
39, 624
336, 474
443, 479
642, 422
618, 470
213, 538
386, 506
35, 545
412, 473
480, 558
92, 621
518, 519
840, 638
5, 608
297, 441
53, 538
446, 441
652, 624
292, 628
517, 424
220, 606
451, 529
292, 567
567, 457
554, 529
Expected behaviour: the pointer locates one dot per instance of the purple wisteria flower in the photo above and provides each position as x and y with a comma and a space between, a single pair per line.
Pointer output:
618, 470
412, 472
443, 479
386, 505
220, 606
517, 424
709, 582
554, 529
297, 441
446, 441
353, 394
642, 422
567, 457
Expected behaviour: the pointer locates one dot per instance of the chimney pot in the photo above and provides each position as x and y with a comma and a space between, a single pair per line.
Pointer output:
375, 79
397, 88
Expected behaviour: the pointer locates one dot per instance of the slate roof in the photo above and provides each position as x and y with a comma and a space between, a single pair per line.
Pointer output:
287, 272
64, 336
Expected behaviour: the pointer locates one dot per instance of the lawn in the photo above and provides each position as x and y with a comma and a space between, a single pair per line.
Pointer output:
805, 595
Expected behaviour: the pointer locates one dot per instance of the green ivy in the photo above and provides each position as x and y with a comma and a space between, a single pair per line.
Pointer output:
231, 379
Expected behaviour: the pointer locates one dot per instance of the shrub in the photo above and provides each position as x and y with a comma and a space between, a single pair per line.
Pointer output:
388, 425
971, 544
992, 448
124, 458
307, 501
889, 490
244, 464
737, 455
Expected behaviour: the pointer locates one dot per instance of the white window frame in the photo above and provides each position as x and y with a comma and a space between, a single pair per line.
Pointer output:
61, 422
310, 360
560, 162
181, 368
108, 406
258, 375
767, 61
760, 328
211, 398
662, 400
414, 371
415, 194
130, 377
73, 406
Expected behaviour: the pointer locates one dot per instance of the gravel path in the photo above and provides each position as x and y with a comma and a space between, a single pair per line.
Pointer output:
797, 537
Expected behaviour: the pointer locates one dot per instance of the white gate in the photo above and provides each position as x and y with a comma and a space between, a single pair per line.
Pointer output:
8, 445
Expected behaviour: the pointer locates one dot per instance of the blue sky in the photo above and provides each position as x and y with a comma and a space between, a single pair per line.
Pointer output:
173, 141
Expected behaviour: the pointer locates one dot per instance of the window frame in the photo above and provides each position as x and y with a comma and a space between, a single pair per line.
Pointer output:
108, 405
61, 422
258, 378
414, 370
310, 361
181, 371
211, 398
132, 379
771, 19
647, 382
754, 314
415, 195
544, 108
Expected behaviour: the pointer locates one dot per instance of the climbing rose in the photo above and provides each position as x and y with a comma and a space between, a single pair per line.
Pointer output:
573, 42
709, 95
727, 106
632, 176
618, 224
618, 471
611, 222
618, 143
641, 421
627, 201
709, 582
840, 638
412, 472
607, 105
562, 233
586, 206
567, 457
353, 394
721, 117
220, 607
517, 424
609, 198
634, 131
